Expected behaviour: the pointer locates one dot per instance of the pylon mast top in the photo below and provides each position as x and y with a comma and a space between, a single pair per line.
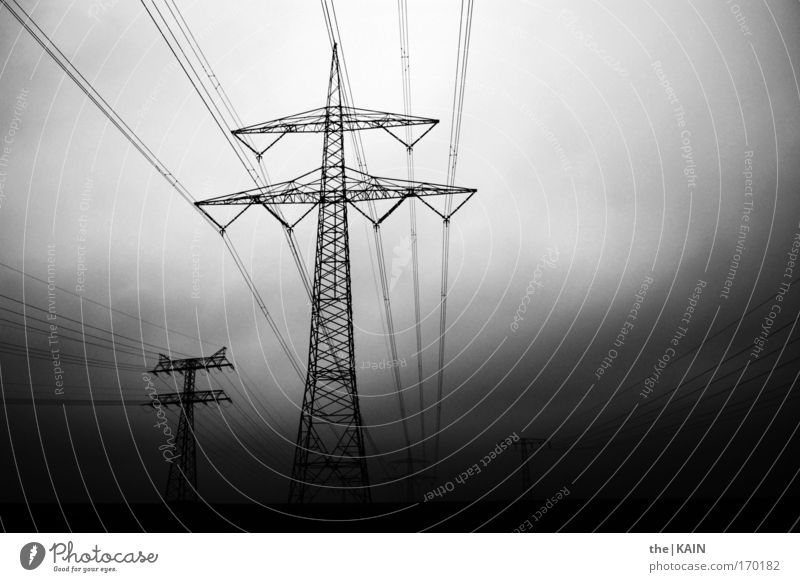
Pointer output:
216, 361
357, 186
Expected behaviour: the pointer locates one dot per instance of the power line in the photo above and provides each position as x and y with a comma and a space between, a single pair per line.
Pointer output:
692, 350
138, 318
235, 141
334, 35
63, 337
676, 411
700, 375
139, 342
111, 364
83, 84
329, 453
464, 36
405, 65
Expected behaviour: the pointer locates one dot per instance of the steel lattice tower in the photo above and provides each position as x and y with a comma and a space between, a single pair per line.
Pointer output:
330, 445
329, 451
182, 478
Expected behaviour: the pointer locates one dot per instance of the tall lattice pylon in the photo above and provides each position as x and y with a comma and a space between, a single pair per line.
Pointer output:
182, 478
329, 454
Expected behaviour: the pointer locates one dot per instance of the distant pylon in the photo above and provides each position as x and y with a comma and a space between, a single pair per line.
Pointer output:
527, 446
329, 454
182, 478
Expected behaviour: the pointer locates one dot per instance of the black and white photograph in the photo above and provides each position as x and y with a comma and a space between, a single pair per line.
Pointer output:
342, 267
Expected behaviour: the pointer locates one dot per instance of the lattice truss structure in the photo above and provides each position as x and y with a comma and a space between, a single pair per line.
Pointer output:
182, 477
329, 454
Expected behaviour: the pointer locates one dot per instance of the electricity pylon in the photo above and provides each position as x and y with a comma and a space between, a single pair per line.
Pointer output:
329, 453
526, 446
182, 478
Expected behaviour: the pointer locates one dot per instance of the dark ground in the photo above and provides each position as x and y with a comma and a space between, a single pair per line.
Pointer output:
599, 515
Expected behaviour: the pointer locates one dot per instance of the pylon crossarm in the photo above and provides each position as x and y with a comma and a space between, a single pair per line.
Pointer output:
289, 227
301, 190
447, 216
353, 119
163, 365
365, 188
182, 476
217, 360
412, 143
258, 153
296, 194
360, 187
303, 122
201, 397
369, 218
378, 222
224, 227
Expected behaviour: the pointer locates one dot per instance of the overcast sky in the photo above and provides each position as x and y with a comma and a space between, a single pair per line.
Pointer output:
610, 142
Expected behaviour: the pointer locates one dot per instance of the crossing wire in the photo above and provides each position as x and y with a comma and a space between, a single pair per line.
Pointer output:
107, 363
122, 401
405, 65
219, 118
156, 348
30, 25
464, 35
61, 337
99, 304
335, 38
42, 354
139, 343
197, 83
610, 424
692, 350
191, 40
231, 422
86, 87
225, 126
27, 401
223, 448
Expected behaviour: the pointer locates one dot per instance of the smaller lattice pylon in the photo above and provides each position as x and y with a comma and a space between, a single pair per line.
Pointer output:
182, 478
526, 446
